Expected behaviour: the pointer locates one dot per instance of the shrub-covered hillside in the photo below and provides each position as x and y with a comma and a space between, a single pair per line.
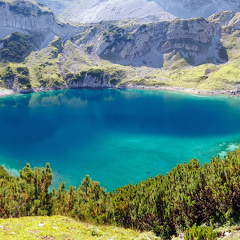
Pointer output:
189, 194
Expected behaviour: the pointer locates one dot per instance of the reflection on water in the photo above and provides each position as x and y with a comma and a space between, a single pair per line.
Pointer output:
122, 135
62, 97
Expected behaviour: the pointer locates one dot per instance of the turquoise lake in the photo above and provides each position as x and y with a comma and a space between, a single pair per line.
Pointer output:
115, 136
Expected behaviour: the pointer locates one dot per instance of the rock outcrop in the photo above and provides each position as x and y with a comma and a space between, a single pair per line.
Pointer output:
95, 78
195, 40
29, 16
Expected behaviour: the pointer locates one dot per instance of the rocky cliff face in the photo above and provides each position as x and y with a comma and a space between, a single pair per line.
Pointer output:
195, 40
94, 77
31, 16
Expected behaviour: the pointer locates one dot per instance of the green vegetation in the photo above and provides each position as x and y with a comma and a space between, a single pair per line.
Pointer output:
44, 66
98, 74
58, 227
15, 77
61, 228
115, 33
200, 233
189, 195
57, 47
47, 76
16, 47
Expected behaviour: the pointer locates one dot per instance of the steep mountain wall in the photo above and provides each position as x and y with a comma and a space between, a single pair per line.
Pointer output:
196, 40
30, 16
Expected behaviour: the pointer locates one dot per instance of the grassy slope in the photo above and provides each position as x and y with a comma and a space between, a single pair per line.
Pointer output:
59, 227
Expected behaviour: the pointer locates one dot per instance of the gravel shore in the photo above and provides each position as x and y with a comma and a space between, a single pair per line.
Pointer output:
5, 92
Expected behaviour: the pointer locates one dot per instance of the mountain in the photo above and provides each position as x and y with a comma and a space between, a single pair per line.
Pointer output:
40, 52
144, 10
195, 40
197, 8
96, 11
28, 16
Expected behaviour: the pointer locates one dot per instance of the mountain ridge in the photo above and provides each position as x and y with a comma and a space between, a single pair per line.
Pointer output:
144, 10
198, 54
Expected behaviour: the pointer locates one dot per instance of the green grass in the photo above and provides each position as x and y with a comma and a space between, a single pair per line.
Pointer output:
65, 228
59, 227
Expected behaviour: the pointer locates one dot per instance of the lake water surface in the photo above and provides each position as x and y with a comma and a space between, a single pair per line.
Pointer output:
115, 136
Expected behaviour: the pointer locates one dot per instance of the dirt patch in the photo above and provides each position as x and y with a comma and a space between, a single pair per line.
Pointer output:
48, 237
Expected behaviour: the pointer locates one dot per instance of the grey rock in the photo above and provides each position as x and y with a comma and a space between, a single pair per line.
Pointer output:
29, 16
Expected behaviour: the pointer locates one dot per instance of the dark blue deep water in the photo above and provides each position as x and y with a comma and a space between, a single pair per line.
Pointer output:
115, 136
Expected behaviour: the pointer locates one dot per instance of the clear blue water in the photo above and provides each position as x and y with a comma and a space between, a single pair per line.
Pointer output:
115, 136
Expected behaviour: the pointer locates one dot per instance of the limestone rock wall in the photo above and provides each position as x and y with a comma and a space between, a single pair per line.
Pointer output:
31, 16
196, 40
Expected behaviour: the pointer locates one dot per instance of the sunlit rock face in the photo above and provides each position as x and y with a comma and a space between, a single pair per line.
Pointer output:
89, 11
31, 16
96, 11
196, 40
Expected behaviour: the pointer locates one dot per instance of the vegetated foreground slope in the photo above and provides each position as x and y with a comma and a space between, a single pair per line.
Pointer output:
59, 227
189, 194
197, 54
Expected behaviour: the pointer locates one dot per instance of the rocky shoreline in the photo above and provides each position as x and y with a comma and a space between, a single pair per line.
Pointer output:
187, 90
6, 92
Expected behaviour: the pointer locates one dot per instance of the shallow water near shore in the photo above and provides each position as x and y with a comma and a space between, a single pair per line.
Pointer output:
115, 136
